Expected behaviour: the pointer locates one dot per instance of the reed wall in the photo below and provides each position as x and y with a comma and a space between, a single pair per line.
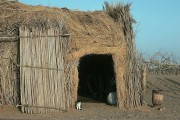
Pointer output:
9, 82
43, 82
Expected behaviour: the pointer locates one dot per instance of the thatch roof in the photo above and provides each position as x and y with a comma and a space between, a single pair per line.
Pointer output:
89, 27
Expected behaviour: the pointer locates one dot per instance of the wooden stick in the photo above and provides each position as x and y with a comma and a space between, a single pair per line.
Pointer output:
5, 40
144, 79
34, 36
40, 67
41, 107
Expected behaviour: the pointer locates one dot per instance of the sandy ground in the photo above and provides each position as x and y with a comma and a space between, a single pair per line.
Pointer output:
100, 111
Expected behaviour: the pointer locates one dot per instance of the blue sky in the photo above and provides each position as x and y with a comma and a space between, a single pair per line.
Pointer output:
158, 24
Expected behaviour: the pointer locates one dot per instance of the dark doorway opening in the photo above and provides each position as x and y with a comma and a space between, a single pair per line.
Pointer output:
96, 77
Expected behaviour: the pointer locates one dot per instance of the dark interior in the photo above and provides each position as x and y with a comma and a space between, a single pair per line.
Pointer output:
96, 77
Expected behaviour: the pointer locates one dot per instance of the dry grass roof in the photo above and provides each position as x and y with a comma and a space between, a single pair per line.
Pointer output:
83, 26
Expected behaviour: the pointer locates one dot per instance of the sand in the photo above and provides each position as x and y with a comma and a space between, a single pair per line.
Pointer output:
93, 110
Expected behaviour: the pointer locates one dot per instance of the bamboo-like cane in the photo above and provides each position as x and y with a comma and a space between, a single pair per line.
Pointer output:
46, 86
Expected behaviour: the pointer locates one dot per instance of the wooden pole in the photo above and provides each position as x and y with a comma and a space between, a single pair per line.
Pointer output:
144, 79
16, 38
157, 97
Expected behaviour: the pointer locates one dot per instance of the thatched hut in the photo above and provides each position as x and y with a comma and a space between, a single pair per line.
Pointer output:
46, 55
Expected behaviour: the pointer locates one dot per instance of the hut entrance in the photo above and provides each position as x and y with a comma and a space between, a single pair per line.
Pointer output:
96, 77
